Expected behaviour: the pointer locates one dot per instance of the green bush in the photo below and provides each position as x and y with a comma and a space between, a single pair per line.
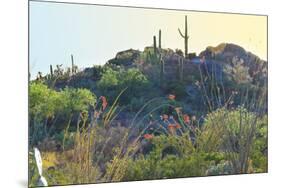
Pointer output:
259, 152
51, 110
114, 81
170, 157
46, 102
240, 134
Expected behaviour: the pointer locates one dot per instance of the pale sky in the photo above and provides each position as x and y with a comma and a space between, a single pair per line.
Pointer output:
94, 34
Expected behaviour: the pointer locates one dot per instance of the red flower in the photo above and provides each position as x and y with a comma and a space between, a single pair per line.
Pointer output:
104, 102
172, 97
172, 126
178, 126
186, 118
148, 136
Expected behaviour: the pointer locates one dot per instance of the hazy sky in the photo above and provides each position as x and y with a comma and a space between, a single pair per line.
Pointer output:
94, 34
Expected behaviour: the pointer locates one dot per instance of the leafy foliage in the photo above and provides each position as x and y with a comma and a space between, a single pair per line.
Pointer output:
113, 81
51, 110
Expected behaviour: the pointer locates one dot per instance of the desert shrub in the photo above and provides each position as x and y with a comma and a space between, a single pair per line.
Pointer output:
236, 133
238, 72
170, 157
145, 168
44, 102
223, 168
51, 110
174, 87
259, 154
77, 100
105, 141
113, 81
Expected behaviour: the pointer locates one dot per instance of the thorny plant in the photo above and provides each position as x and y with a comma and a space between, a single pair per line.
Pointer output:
238, 132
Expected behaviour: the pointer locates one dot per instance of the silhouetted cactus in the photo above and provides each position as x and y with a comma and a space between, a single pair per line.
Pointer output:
159, 38
51, 71
186, 37
73, 71
154, 45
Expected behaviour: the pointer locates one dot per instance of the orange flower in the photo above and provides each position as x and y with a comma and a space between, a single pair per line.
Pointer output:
165, 117
148, 136
186, 118
104, 102
178, 126
171, 126
172, 97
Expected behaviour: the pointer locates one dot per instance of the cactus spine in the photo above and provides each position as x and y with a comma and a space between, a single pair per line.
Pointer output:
159, 39
186, 37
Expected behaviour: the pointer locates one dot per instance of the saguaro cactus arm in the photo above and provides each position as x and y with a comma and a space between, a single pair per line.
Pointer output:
185, 36
180, 33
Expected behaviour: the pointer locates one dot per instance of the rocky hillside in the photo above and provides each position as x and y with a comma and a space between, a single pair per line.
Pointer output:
227, 52
168, 71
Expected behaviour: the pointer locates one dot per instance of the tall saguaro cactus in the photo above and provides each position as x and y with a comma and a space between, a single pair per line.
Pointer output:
154, 45
186, 37
51, 71
72, 65
159, 38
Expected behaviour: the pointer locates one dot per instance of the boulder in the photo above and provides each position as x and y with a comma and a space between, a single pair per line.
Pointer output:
125, 58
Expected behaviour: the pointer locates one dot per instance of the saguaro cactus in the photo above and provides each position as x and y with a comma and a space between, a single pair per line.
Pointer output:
159, 38
186, 37
154, 45
51, 71
72, 65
